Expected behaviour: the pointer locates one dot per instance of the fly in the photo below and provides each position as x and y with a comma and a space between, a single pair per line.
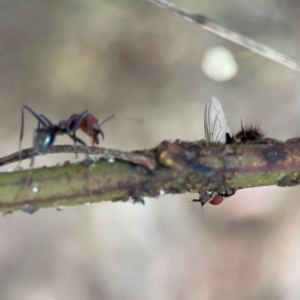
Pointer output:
216, 130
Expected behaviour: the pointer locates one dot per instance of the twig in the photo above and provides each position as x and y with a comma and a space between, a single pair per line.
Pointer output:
180, 167
132, 157
231, 35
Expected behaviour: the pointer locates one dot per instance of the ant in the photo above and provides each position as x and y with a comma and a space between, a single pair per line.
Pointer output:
44, 136
87, 123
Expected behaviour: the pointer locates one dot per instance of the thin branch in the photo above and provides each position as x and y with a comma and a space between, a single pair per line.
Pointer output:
231, 35
101, 152
180, 167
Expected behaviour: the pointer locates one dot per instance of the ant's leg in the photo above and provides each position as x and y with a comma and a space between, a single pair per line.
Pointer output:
26, 185
76, 139
75, 127
30, 170
40, 120
90, 130
32, 160
50, 124
39, 123
79, 121
74, 135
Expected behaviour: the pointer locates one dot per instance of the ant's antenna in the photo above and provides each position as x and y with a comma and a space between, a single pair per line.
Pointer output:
107, 119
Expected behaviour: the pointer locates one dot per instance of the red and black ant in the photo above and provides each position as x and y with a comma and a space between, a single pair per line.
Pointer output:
44, 136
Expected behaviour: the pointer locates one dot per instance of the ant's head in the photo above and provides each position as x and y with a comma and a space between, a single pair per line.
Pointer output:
43, 139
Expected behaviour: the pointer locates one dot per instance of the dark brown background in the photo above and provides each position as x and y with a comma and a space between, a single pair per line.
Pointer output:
134, 59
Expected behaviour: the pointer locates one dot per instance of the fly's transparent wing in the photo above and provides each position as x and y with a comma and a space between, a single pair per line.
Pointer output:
215, 127
215, 124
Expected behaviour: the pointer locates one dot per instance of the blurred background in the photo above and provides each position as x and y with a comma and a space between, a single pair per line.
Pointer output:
133, 59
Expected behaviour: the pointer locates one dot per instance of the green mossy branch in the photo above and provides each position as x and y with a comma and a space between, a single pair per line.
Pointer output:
169, 168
